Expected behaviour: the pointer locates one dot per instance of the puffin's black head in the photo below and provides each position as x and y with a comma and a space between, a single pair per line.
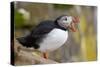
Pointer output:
67, 22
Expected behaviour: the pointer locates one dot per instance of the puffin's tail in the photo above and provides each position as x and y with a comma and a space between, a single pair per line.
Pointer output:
28, 42
21, 40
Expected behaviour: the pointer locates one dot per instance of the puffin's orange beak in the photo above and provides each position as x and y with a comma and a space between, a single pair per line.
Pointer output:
75, 21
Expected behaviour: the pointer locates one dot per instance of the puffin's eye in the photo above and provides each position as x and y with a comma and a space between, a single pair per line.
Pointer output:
65, 19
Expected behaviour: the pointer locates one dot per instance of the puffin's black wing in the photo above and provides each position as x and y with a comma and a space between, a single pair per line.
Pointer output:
37, 34
42, 29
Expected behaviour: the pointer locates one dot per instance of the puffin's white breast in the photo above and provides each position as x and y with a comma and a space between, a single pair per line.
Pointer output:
55, 39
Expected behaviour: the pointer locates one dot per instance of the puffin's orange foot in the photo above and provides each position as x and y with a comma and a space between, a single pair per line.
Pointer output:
45, 55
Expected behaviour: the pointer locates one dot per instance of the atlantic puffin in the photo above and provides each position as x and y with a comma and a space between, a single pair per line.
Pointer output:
49, 35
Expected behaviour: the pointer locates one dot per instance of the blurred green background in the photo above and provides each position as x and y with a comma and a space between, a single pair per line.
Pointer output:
80, 46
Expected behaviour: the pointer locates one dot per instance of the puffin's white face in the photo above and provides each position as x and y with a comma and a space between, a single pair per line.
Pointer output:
68, 22
65, 20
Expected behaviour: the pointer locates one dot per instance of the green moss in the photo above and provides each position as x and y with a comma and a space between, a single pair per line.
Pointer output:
18, 19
